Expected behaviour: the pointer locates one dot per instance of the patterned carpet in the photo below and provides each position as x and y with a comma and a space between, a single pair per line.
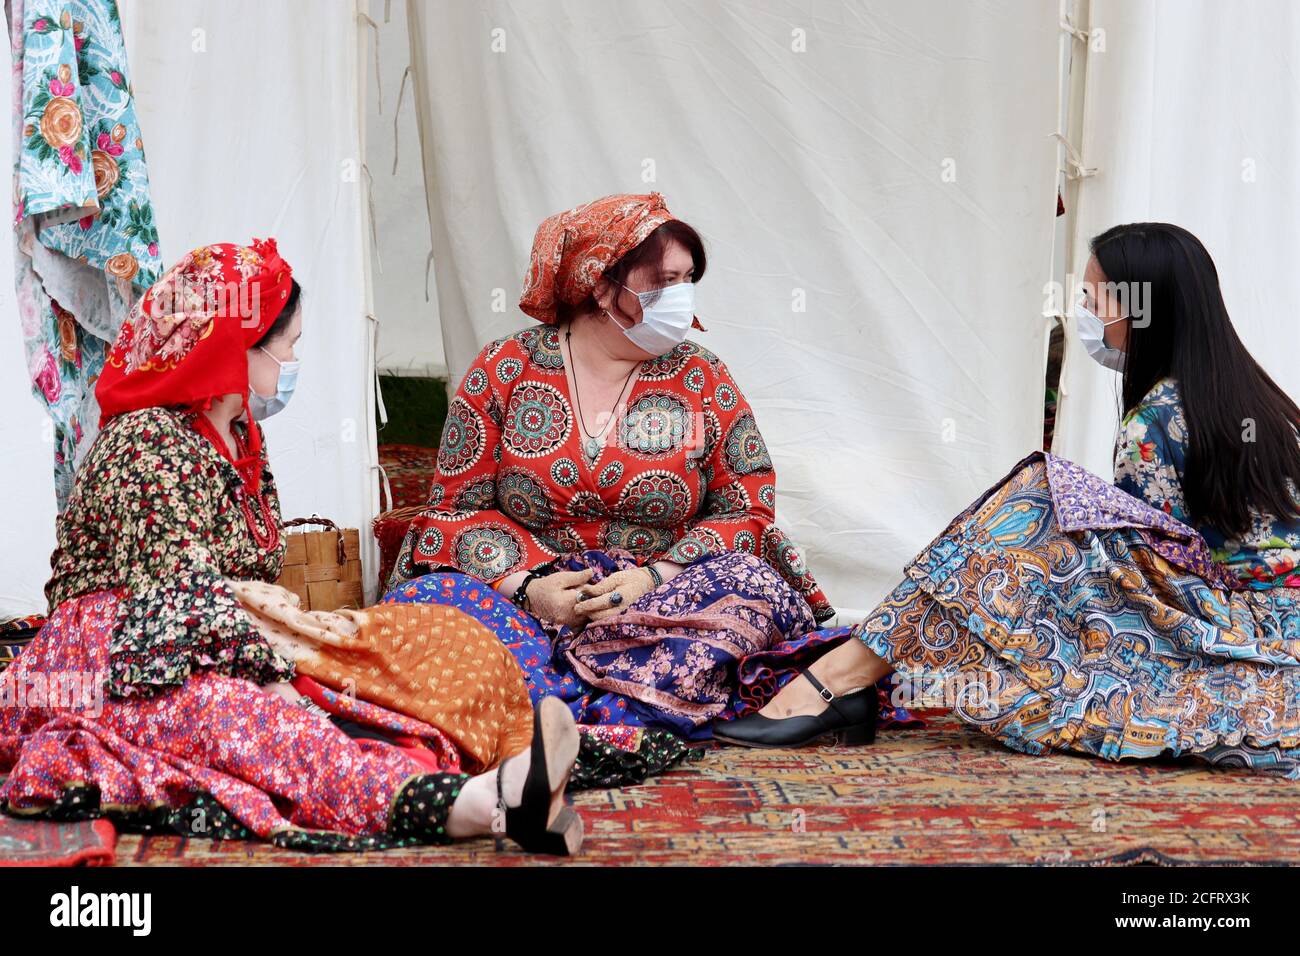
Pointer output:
410, 471
939, 795
36, 843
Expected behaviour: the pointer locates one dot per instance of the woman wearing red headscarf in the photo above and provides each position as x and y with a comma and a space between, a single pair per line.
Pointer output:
607, 476
151, 695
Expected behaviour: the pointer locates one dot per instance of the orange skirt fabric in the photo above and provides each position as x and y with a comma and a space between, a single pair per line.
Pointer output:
430, 662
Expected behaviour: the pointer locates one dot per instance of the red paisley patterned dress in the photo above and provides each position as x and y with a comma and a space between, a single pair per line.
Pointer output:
683, 476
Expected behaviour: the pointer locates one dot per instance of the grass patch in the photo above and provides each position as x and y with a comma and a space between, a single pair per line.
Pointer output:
417, 408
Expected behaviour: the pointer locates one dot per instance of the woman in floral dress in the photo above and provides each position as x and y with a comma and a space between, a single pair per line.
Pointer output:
151, 695
1158, 615
604, 499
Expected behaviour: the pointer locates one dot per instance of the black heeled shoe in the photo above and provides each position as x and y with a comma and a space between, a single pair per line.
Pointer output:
542, 823
847, 720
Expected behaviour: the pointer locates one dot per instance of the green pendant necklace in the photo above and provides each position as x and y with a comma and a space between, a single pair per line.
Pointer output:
591, 445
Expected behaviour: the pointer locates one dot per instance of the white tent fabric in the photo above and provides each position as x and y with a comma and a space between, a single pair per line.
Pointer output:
26, 452
410, 340
251, 119
1182, 123
876, 185
874, 181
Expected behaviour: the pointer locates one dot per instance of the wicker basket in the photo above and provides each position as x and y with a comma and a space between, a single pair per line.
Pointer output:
322, 567
390, 530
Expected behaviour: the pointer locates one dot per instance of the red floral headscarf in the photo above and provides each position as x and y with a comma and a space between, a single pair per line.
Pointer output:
572, 249
186, 340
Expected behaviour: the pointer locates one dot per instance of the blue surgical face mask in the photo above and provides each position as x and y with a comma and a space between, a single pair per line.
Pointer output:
262, 408
1092, 333
666, 316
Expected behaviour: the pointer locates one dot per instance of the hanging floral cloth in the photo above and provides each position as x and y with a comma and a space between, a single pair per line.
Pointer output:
85, 241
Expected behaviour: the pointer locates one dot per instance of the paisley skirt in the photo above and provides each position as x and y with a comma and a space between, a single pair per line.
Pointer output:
217, 757
1057, 613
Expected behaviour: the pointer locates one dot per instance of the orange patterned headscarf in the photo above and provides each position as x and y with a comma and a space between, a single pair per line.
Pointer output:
572, 249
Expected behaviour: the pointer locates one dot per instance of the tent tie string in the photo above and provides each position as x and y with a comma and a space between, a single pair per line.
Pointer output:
397, 113
1075, 168
428, 265
385, 488
374, 229
385, 485
379, 87
1068, 26
379, 392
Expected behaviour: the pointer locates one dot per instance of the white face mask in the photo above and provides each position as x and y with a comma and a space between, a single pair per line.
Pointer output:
666, 316
263, 408
1092, 333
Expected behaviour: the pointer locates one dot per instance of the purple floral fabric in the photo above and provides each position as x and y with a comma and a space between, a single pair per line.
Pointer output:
676, 650
1085, 502
681, 665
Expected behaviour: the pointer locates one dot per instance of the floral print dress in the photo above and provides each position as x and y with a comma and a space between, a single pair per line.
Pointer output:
139, 698
1062, 612
1149, 460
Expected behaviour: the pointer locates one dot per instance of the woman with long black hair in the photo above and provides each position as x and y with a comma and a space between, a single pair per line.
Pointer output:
1157, 615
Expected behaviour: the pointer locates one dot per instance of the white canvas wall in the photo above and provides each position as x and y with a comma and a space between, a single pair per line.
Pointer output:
1191, 118
896, 176
26, 445
912, 379
410, 339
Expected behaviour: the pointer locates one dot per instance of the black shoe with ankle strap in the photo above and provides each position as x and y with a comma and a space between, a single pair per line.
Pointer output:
541, 823
847, 720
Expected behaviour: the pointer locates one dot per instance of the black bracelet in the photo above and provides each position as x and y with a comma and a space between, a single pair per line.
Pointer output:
655, 575
521, 592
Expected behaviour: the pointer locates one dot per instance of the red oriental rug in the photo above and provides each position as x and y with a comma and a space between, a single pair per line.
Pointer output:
943, 794
410, 471
45, 843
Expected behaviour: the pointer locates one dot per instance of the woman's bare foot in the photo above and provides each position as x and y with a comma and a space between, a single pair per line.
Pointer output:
847, 668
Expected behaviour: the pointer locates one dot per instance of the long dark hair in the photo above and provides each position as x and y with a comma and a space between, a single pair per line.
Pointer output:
1188, 336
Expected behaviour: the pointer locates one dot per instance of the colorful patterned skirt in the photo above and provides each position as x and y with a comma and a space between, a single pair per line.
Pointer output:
717, 640
1057, 613
218, 756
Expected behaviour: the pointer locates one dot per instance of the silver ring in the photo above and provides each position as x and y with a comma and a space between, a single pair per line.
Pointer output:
583, 595
615, 598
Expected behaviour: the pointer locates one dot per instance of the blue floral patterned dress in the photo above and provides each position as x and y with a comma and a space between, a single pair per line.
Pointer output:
1149, 462
1060, 612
